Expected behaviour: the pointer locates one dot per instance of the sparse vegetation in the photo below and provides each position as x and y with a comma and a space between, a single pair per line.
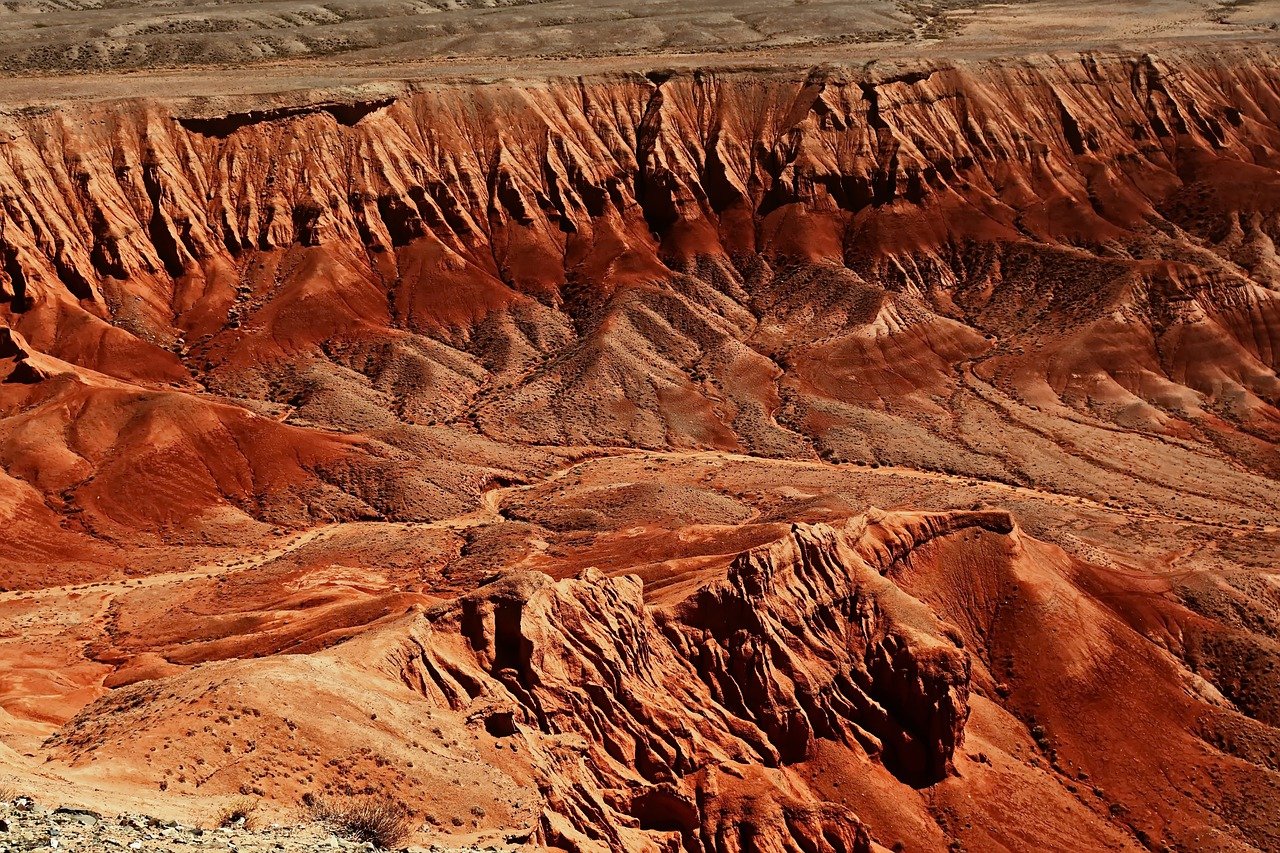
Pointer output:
381, 821
240, 812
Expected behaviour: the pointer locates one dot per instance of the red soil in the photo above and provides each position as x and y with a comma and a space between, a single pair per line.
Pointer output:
515, 450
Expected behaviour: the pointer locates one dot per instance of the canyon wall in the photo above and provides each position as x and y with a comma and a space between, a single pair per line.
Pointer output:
790, 267
509, 446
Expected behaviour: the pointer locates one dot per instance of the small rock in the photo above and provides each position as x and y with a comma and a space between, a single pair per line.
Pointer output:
135, 845
82, 816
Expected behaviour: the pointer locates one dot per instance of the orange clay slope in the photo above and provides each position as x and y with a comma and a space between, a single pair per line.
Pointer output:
756, 460
925, 678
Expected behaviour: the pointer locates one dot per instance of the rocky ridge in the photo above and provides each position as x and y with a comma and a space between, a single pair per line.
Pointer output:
691, 719
801, 640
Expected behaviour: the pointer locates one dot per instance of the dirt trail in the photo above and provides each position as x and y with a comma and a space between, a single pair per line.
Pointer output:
219, 567
493, 497
1059, 498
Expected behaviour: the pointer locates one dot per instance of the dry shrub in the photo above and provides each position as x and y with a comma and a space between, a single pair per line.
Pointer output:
381, 821
242, 811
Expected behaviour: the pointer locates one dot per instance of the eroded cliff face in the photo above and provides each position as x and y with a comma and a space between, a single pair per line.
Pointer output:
366, 391
802, 640
737, 261
892, 677
681, 726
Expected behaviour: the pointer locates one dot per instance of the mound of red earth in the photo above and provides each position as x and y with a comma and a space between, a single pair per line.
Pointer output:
512, 450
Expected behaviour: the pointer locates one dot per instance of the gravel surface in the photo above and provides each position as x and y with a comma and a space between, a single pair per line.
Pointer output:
28, 825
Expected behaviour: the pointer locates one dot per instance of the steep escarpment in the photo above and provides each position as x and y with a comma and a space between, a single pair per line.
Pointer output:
750, 262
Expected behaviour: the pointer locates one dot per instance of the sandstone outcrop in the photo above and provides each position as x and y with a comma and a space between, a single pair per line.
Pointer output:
802, 639
648, 725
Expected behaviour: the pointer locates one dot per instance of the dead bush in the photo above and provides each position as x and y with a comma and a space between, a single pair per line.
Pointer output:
241, 812
381, 821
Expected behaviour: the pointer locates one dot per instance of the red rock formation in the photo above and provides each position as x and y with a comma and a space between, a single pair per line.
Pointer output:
683, 707
1050, 281
727, 260
711, 719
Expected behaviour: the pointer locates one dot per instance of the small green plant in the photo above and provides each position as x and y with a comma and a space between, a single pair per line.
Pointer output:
381, 821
